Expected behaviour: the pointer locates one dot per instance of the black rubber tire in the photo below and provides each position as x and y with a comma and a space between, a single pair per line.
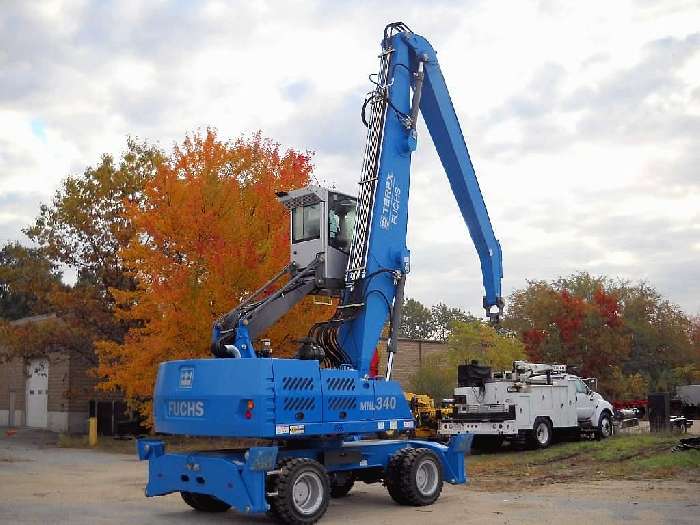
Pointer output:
602, 433
392, 480
204, 502
541, 435
341, 484
401, 477
282, 505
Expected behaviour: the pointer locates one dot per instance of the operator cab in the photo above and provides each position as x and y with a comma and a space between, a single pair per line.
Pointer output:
322, 221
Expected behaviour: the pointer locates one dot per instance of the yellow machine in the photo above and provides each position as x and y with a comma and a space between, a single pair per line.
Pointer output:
426, 414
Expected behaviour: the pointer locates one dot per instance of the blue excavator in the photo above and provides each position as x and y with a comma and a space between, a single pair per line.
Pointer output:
320, 420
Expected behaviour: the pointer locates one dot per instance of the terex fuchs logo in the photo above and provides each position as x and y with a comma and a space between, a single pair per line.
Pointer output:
185, 408
186, 376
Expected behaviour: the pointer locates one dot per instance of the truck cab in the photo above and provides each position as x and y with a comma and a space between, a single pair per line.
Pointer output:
589, 404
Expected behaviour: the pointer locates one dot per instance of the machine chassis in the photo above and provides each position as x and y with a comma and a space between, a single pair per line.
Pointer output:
241, 478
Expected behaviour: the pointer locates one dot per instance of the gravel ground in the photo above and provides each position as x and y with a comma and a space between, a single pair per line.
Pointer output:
40, 483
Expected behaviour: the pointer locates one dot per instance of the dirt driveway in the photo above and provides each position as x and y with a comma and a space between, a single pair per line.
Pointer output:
40, 483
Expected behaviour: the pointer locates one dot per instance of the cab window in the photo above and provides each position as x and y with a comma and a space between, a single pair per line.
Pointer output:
341, 221
306, 223
581, 387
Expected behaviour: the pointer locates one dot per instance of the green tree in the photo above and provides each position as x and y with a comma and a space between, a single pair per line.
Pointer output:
695, 342
30, 285
620, 386
443, 318
475, 340
661, 334
572, 320
83, 229
469, 340
27, 279
85, 225
434, 379
695, 334
597, 324
416, 320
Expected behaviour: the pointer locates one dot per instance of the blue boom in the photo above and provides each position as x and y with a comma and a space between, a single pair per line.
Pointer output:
324, 417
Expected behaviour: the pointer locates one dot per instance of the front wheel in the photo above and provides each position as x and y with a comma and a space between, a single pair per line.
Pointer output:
605, 426
414, 477
204, 502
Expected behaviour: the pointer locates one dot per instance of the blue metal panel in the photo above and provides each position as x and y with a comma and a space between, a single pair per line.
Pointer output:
292, 399
208, 397
346, 397
234, 477
377, 453
297, 392
149, 448
391, 404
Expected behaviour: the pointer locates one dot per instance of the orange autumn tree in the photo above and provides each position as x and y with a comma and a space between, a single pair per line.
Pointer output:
209, 232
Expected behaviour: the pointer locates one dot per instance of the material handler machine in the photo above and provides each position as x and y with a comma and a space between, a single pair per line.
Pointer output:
320, 415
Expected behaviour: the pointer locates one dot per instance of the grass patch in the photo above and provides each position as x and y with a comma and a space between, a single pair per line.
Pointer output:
669, 464
630, 446
630, 456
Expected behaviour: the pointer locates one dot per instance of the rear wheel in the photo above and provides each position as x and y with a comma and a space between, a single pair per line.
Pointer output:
301, 492
204, 502
541, 435
414, 477
341, 484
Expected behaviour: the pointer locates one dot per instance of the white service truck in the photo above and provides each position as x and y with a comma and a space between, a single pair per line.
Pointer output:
529, 403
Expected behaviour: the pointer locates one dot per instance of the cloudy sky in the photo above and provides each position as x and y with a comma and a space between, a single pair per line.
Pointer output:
582, 118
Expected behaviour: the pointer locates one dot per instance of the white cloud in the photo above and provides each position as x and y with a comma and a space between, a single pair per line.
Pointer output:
582, 122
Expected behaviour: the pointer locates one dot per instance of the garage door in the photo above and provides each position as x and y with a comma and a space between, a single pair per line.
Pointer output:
37, 393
